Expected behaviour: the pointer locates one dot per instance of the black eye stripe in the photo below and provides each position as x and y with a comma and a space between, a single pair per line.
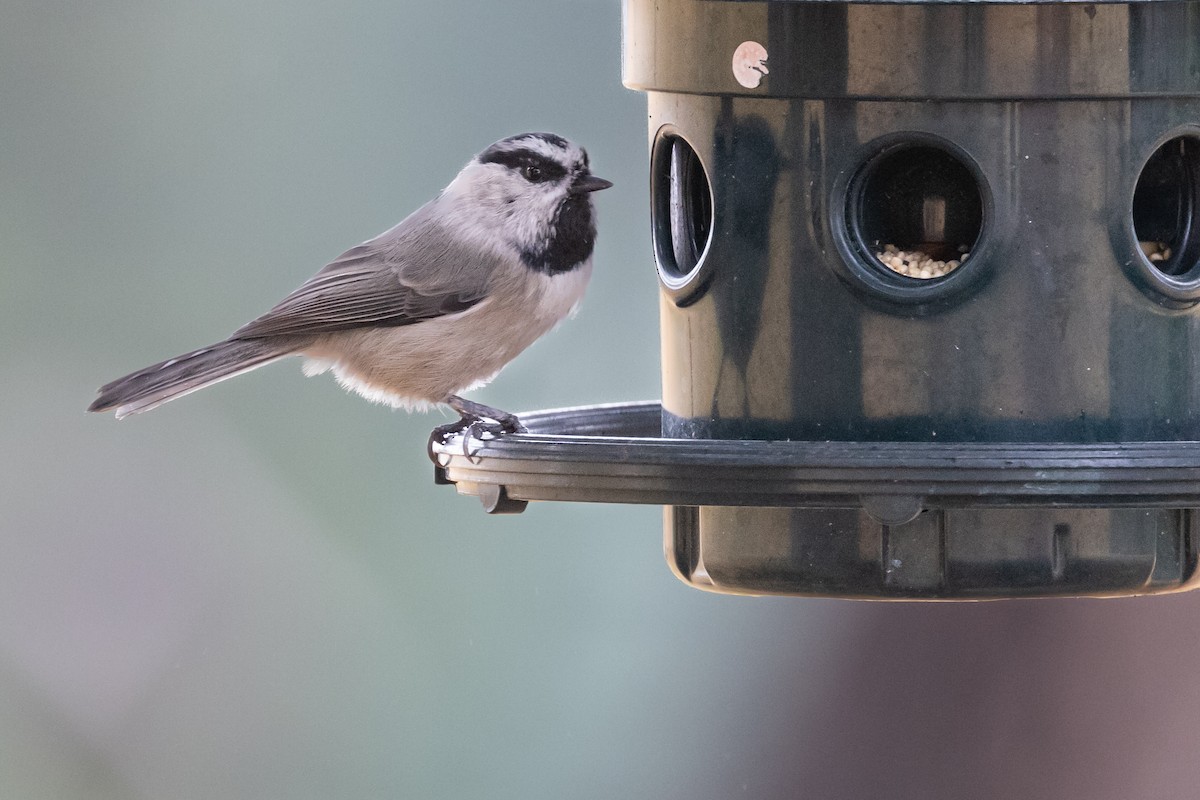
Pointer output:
519, 158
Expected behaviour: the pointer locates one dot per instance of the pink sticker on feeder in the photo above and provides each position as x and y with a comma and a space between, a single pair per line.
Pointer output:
750, 64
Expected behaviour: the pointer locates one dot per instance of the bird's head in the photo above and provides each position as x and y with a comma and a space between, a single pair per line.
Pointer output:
534, 190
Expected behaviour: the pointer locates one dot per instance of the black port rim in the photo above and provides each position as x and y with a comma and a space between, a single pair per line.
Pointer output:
683, 282
1174, 282
862, 271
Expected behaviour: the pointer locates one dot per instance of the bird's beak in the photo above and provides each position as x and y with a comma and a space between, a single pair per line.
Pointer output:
588, 183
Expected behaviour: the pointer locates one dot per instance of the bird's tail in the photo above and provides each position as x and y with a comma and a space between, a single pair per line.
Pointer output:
151, 387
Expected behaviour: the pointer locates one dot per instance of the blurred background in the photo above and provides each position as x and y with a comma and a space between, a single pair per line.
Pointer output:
258, 592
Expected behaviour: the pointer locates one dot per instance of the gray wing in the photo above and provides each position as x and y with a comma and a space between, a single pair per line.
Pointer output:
415, 271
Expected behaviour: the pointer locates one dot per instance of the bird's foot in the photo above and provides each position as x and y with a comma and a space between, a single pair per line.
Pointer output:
473, 413
480, 422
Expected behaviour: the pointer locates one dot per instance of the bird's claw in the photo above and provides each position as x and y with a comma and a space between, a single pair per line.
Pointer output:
508, 423
443, 432
485, 430
440, 435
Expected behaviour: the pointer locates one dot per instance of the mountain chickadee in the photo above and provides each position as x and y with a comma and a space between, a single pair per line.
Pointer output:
431, 308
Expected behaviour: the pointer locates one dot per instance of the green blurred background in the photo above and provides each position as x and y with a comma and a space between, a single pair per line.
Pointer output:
258, 592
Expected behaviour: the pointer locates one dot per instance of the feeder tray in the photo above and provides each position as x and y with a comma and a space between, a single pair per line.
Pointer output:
921, 516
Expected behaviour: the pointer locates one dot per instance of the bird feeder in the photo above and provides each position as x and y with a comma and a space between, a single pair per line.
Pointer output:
929, 279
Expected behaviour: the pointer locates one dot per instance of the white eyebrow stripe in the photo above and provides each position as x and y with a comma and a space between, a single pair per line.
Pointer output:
571, 154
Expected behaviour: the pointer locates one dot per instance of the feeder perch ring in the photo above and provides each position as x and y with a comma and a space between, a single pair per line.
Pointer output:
613, 454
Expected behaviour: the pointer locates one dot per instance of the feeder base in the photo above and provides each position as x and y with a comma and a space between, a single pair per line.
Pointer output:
943, 554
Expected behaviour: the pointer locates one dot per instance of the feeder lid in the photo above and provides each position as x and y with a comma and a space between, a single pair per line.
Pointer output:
965, 2
615, 454
971, 2
1010, 49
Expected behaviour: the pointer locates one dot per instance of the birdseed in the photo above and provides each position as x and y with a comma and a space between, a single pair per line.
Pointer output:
919, 264
1156, 251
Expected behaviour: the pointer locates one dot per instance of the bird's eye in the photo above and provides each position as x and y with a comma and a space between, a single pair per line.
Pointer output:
532, 173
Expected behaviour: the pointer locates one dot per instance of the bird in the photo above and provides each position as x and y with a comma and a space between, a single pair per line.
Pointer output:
431, 308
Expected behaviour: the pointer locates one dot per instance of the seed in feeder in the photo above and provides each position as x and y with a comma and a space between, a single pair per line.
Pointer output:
1155, 251
917, 263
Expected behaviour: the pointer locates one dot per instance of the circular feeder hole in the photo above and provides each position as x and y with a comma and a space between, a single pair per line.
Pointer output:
1166, 214
915, 211
682, 209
